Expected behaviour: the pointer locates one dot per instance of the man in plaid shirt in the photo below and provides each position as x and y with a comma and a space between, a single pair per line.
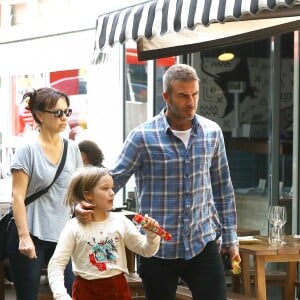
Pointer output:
182, 178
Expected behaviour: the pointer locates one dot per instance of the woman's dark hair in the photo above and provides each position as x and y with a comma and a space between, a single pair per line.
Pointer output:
43, 99
93, 152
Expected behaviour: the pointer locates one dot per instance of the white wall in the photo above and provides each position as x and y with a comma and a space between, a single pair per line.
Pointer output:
28, 52
105, 108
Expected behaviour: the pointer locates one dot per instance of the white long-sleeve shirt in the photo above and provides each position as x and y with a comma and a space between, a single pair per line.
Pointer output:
97, 250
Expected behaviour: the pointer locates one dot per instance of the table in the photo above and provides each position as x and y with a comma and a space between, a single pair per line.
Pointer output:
262, 252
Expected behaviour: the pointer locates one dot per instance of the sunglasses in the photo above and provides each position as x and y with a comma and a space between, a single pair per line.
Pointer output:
59, 112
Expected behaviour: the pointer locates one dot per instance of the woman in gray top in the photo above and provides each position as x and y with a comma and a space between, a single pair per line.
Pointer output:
35, 232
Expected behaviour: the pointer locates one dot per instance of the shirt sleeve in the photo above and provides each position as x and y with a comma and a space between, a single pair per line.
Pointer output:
58, 262
22, 159
143, 244
223, 193
127, 162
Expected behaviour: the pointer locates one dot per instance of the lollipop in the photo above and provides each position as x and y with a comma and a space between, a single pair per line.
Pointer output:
157, 229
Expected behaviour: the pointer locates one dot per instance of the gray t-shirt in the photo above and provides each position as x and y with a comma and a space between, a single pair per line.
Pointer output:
47, 215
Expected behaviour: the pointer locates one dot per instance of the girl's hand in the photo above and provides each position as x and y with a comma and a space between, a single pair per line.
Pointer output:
149, 223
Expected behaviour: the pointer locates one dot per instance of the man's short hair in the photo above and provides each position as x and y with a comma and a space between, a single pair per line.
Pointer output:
181, 72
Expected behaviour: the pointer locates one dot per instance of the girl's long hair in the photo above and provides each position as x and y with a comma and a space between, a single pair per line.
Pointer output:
84, 180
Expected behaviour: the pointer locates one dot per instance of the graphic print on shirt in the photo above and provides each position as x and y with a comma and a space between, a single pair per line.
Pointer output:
103, 252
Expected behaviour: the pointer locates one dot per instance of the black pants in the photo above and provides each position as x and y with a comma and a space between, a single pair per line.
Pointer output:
26, 272
204, 275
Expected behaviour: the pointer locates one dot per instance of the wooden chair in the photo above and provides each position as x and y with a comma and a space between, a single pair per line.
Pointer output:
247, 232
273, 278
297, 285
135, 285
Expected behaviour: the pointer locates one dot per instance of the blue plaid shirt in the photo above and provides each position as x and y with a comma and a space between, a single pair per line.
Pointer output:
187, 190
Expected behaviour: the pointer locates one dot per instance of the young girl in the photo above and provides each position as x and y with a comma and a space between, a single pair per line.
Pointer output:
97, 249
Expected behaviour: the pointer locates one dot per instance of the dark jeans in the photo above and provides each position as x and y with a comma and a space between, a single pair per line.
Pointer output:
204, 275
26, 272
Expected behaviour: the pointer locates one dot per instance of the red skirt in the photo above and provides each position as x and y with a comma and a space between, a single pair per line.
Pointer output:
112, 288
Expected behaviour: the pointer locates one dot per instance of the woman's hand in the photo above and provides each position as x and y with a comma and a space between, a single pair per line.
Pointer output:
84, 212
26, 247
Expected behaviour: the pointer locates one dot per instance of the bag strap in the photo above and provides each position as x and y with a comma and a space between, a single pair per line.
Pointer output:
36, 195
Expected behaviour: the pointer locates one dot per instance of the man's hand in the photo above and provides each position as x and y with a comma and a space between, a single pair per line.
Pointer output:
84, 212
233, 253
234, 258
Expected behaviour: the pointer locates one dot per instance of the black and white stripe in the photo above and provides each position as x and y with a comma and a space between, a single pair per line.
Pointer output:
156, 18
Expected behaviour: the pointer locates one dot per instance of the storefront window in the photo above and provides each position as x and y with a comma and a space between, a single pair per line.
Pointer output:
162, 65
18, 13
72, 82
137, 81
239, 95
135, 90
22, 119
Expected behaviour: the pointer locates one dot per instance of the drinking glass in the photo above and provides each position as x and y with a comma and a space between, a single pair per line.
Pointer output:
277, 218
282, 222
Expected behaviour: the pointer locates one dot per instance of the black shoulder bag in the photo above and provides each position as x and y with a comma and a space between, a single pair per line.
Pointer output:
7, 218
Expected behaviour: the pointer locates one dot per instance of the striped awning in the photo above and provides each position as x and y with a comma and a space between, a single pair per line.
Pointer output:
161, 18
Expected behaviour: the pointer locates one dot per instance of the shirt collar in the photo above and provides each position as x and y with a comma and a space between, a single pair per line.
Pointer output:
165, 123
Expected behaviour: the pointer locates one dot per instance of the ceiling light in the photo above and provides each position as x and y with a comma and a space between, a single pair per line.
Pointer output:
226, 56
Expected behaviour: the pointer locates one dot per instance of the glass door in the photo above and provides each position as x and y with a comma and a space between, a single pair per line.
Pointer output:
251, 97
